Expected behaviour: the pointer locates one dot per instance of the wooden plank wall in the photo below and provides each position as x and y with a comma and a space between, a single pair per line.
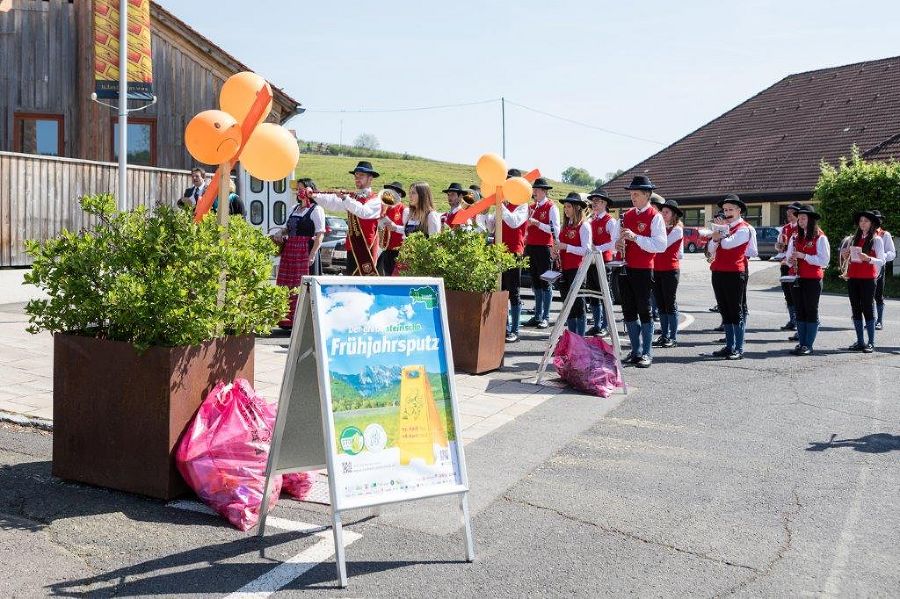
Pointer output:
39, 196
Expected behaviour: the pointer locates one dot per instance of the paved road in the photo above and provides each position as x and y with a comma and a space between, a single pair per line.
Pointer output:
773, 476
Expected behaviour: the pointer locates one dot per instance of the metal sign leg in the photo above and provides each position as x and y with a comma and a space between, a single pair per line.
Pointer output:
470, 542
339, 558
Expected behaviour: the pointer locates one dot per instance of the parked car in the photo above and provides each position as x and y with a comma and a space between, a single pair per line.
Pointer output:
692, 241
333, 256
765, 241
335, 228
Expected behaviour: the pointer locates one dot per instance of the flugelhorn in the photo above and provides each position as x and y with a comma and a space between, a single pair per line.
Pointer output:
388, 197
844, 257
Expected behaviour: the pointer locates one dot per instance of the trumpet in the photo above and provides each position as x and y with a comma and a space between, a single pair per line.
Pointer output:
388, 197
844, 257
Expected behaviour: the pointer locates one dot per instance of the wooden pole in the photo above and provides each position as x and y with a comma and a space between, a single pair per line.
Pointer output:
498, 224
224, 173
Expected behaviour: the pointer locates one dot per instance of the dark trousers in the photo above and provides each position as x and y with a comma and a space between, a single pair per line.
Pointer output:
635, 285
729, 291
879, 286
787, 288
386, 262
511, 281
806, 294
538, 263
862, 298
665, 287
565, 286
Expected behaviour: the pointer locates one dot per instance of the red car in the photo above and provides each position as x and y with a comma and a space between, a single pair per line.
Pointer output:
692, 241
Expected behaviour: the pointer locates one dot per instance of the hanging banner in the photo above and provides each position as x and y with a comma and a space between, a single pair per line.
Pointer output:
106, 49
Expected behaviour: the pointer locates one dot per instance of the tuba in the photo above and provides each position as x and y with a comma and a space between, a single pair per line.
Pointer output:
844, 258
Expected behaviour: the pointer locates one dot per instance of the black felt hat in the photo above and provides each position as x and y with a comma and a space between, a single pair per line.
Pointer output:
365, 166
513, 172
396, 186
673, 206
455, 187
475, 187
600, 194
878, 213
732, 198
657, 200
795, 206
641, 182
575, 198
541, 183
872, 215
808, 211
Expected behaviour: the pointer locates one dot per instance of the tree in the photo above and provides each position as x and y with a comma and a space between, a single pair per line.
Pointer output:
367, 141
577, 176
608, 177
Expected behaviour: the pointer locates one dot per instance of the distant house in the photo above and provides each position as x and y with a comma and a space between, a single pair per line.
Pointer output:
768, 149
47, 77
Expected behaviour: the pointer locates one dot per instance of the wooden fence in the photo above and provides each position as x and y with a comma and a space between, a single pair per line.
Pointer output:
39, 196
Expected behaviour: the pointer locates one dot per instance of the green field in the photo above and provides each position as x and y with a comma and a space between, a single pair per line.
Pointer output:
388, 418
332, 172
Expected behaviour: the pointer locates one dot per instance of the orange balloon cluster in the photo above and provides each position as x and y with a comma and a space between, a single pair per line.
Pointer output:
491, 169
215, 136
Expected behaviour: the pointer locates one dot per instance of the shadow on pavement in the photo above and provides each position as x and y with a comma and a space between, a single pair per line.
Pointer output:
874, 443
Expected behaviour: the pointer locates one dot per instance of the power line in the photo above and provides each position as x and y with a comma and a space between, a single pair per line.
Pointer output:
411, 109
589, 126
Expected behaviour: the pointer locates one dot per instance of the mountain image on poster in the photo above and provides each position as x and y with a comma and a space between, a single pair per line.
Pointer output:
420, 424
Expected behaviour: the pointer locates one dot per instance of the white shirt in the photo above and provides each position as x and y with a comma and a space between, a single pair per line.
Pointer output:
432, 221
752, 250
823, 252
370, 210
512, 218
656, 242
734, 239
317, 217
675, 236
553, 227
612, 227
584, 231
890, 252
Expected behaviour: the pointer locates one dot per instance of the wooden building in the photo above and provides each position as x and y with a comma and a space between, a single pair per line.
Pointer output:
47, 77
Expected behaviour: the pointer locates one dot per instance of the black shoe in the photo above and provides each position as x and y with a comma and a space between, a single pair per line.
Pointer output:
721, 340
714, 308
802, 351
794, 337
631, 358
669, 343
603, 333
720, 328
723, 353
789, 327
643, 362
531, 322
527, 311
661, 341
592, 332
856, 346
511, 337
543, 324
735, 355
879, 326
868, 348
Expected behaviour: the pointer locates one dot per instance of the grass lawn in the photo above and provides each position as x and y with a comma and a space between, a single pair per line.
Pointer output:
388, 417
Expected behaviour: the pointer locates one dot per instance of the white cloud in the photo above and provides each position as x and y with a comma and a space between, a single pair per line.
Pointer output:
344, 308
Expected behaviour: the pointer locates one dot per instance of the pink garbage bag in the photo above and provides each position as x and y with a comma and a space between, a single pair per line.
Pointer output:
222, 454
297, 484
587, 363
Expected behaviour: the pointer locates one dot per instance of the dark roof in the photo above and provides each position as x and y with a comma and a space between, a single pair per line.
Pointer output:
774, 142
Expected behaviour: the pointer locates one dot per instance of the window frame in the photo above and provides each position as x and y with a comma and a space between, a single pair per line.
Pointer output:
701, 213
19, 117
748, 218
145, 120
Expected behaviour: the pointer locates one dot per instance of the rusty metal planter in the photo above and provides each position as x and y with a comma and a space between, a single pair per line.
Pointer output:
117, 414
477, 323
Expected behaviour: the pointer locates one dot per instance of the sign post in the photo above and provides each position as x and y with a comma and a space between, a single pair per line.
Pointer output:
368, 393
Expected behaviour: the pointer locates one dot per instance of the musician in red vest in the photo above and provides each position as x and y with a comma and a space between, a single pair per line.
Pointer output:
666, 272
363, 212
455, 194
604, 233
808, 254
729, 268
574, 244
862, 273
784, 237
890, 253
540, 236
391, 227
642, 236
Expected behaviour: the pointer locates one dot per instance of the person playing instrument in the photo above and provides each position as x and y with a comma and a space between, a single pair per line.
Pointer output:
363, 212
728, 270
666, 268
808, 254
455, 193
391, 227
604, 233
300, 240
642, 236
657, 202
861, 274
784, 236
890, 253
575, 240
540, 236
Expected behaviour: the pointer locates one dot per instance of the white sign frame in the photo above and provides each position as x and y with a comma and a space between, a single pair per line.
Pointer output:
304, 437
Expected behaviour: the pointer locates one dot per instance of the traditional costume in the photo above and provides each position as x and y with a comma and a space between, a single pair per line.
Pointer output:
303, 224
729, 268
574, 244
861, 276
604, 233
391, 226
512, 234
810, 252
539, 238
666, 272
890, 253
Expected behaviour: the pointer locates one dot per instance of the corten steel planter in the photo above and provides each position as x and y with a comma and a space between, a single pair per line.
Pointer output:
477, 323
117, 414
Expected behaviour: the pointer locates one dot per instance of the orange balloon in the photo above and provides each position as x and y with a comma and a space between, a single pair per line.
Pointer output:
490, 186
271, 153
239, 92
517, 190
491, 167
213, 137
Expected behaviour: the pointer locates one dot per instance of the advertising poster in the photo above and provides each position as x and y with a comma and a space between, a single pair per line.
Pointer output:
388, 390
106, 49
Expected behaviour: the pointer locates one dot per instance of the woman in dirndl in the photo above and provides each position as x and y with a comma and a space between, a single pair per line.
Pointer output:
301, 238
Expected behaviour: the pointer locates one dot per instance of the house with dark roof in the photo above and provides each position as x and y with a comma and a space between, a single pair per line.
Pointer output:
769, 149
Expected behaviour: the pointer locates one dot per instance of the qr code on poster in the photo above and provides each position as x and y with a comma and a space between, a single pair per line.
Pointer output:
347, 467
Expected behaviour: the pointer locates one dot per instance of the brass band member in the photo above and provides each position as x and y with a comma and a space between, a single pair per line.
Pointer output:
728, 270
543, 229
890, 253
391, 224
455, 194
513, 225
808, 254
865, 252
787, 231
363, 211
666, 270
604, 233
642, 236
574, 243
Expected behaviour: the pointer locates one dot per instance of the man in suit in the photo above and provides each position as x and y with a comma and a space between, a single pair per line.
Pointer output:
192, 194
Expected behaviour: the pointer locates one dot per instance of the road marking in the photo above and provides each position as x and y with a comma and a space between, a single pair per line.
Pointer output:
836, 574
688, 321
288, 571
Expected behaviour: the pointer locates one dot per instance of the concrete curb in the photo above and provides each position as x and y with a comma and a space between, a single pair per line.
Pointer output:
40, 423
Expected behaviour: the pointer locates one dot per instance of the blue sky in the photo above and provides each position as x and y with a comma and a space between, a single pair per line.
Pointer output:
652, 70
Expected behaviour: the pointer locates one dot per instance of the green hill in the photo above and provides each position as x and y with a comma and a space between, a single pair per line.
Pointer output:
331, 172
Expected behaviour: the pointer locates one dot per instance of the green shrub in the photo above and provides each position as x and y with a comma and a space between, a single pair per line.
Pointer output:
462, 258
151, 278
855, 185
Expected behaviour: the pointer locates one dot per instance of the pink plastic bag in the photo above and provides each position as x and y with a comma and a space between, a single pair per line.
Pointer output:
587, 363
222, 455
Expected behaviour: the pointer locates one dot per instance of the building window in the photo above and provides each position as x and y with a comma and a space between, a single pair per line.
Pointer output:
754, 215
256, 212
279, 186
141, 141
256, 185
279, 213
694, 217
39, 134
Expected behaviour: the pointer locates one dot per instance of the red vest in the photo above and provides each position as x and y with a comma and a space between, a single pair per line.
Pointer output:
668, 260
446, 216
788, 230
805, 270
368, 226
599, 234
395, 214
534, 236
639, 224
731, 260
513, 239
571, 235
863, 270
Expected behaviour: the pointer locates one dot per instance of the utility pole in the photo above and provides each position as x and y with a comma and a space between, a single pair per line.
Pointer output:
503, 123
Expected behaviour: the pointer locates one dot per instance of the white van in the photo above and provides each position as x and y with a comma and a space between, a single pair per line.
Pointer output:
266, 203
